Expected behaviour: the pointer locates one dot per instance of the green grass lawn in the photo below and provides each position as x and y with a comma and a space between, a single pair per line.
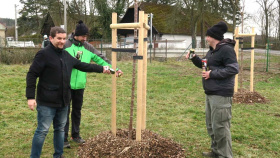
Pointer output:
175, 110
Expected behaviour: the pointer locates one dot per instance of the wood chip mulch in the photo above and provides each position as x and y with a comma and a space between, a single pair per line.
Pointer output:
105, 145
243, 96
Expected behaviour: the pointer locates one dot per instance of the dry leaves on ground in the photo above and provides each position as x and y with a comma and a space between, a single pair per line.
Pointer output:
243, 96
151, 145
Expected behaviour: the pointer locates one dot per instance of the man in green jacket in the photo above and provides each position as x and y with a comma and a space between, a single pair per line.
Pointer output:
77, 46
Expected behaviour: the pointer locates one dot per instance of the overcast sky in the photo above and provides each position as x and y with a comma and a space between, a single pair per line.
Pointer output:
7, 10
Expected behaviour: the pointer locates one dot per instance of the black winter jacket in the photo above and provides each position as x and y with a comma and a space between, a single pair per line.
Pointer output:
223, 65
53, 66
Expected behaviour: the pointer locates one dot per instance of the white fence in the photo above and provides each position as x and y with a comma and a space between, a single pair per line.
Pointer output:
20, 44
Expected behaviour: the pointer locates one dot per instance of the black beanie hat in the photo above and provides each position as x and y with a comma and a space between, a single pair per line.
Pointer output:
81, 29
217, 31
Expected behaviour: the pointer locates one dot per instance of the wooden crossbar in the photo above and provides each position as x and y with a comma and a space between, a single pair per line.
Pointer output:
125, 25
146, 26
246, 35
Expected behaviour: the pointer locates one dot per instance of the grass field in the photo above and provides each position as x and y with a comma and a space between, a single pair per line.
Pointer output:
175, 110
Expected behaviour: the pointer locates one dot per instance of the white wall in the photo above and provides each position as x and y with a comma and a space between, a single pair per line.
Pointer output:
228, 35
174, 41
180, 41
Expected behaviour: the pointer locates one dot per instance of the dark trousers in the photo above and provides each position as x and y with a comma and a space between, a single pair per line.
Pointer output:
77, 102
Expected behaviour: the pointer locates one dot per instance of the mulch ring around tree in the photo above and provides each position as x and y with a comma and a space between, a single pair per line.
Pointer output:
244, 96
151, 145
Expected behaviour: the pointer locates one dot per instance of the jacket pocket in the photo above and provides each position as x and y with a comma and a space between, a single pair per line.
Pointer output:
49, 93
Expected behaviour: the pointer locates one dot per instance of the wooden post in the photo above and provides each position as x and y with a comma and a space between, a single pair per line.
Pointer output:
140, 78
114, 80
252, 60
145, 75
236, 48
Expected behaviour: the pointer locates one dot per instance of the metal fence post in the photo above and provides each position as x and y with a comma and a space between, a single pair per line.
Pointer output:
101, 45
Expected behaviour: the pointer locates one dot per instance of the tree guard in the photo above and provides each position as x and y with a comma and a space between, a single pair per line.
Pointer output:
142, 70
237, 36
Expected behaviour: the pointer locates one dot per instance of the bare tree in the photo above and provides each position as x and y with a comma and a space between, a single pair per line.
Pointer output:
235, 8
278, 19
193, 6
267, 8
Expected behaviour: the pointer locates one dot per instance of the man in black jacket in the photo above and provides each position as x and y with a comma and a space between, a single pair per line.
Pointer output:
53, 66
218, 83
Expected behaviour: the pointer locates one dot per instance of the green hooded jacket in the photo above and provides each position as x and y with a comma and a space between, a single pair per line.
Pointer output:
88, 54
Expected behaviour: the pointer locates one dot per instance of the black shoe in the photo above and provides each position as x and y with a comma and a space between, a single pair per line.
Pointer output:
209, 154
78, 140
66, 145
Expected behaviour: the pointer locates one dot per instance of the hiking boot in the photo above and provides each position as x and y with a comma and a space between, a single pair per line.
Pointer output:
209, 154
66, 145
62, 155
78, 140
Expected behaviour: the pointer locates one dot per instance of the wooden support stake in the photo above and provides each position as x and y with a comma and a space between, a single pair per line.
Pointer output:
145, 46
252, 60
236, 48
140, 78
114, 79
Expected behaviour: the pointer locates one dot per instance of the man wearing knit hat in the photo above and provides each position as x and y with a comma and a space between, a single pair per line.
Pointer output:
218, 84
77, 46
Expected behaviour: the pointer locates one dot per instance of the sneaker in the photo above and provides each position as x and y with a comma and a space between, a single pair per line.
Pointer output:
209, 154
66, 145
78, 140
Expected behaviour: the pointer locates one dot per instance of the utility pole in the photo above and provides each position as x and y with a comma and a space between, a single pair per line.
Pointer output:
16, 31
65, 17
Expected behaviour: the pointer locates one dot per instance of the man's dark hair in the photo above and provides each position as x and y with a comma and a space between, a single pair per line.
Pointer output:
55, 30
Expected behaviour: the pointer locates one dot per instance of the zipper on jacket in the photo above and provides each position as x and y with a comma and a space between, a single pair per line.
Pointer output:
63, 102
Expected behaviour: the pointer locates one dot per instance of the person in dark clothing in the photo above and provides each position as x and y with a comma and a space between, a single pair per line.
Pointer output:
218, 84
53, 66
46, 41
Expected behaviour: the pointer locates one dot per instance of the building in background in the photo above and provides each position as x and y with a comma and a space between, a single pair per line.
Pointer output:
3, 29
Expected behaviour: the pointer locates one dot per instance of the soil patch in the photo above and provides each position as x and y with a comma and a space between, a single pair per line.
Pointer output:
151, 145
243, 96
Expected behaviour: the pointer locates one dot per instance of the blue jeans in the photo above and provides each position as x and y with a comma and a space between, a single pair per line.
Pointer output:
45, 116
